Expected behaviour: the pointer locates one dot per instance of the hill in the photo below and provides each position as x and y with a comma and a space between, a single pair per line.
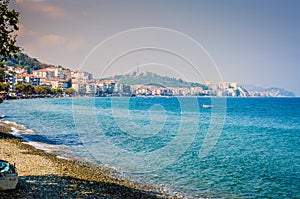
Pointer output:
22, 60
154, 79
278, 91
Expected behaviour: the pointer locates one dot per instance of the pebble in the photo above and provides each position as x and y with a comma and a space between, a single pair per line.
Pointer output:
43, 175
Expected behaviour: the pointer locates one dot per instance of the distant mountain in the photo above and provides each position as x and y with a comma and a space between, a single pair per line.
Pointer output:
154, 79
279, 91
22, 60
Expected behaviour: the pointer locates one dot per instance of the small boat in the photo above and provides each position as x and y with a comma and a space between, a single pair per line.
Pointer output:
8, 176
206, 106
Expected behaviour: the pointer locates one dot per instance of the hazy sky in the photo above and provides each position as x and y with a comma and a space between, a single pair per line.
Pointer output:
254, 42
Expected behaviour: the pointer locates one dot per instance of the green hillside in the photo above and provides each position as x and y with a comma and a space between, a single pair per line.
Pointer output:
22, 60
154, 79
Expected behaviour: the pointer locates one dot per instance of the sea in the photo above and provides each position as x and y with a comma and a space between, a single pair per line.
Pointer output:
239, 148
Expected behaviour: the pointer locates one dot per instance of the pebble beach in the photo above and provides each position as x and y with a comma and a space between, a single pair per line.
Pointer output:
43, 175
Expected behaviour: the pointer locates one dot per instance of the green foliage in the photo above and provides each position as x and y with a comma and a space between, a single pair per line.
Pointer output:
2, 74
12, 72
47, 90
4, 87
56, 91
8, 25
70, 91
27, 89
39, 90
22, 60
43, 90
155, 80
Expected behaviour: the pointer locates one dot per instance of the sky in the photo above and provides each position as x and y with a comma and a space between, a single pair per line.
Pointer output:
251, 41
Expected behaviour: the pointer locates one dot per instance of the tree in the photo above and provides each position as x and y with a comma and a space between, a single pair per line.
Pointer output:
4, 87
8, 25
19, 88
47, 90
56, 91
42, 90
27, 89
70, 91
38, 90
2, 73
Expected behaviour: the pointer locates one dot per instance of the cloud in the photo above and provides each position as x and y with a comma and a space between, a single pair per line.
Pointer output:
45, 8
51, 41
24, 32
57, 41
75, 44
52, 11
84, 13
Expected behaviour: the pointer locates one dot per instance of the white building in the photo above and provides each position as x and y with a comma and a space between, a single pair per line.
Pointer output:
56, 83
10, 80
59, 73
81, 76
79, 87
44, 73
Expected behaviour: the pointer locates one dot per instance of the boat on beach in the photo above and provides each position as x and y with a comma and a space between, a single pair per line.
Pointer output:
206, 106
8, 176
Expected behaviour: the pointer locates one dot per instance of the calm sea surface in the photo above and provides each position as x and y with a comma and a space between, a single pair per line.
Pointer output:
252, 145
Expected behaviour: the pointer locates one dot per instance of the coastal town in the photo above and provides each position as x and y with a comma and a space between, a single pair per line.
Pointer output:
149, 99
59, 81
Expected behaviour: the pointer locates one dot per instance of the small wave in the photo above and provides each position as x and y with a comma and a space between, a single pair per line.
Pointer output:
22, 132
47, 147
64, 158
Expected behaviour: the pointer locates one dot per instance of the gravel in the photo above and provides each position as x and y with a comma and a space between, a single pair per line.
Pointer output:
43, 175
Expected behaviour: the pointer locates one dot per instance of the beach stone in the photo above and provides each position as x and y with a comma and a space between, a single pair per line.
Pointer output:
43, 175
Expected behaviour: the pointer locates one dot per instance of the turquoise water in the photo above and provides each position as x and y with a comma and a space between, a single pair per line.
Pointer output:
159, 140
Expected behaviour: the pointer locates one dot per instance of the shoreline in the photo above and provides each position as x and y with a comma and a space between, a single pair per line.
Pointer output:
44, 175
144, 96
